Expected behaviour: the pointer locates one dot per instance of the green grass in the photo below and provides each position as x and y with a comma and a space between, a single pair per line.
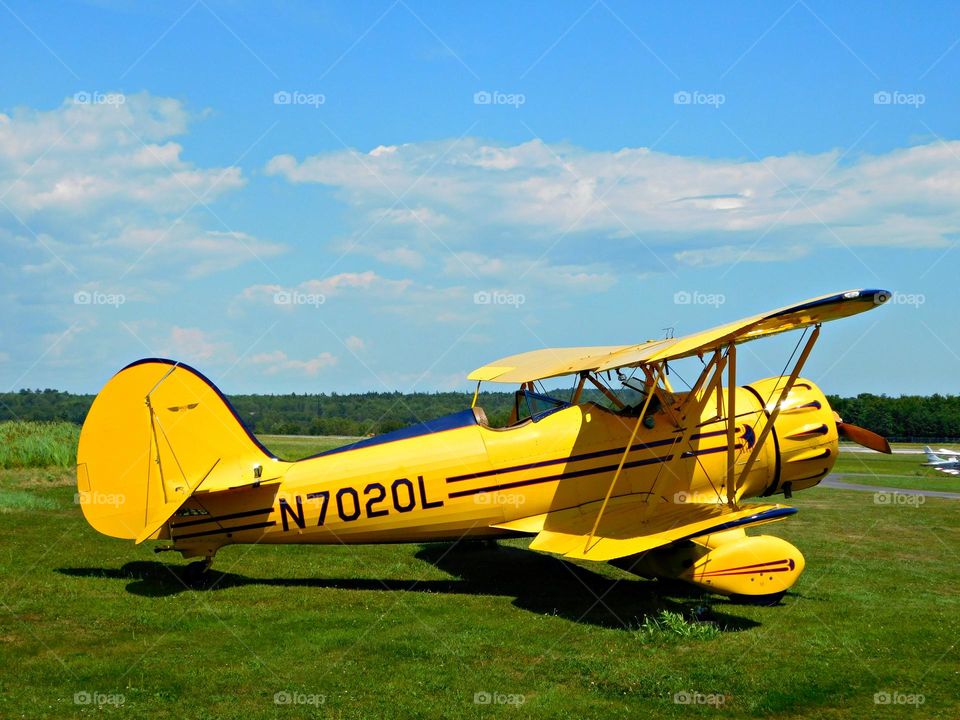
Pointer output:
21, 500
25, 444
897, 464
944, 483
898, 470
669, 625
294, 447
422, 630
29, 444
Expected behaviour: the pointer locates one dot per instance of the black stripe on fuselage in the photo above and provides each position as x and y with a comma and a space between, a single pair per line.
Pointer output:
562, 476
583, 473
232, 516
217, 531
584, 456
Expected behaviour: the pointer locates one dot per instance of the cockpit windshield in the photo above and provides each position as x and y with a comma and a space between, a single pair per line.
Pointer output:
534, 405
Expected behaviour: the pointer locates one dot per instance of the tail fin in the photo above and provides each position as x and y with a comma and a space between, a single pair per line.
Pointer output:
932, 457
156, 433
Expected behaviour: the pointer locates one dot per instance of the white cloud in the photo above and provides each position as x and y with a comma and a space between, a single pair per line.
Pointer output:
79, 159
383, 150
402, 256
277, 362
104, 188
467, 263
316, 292
523, 272
355, 344
56, 344
408, 216
530, 194
195, 345
367, 281
367, 292
209, 251
726, 254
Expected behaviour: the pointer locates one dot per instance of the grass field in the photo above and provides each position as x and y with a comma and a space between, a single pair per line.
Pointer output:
897, 470
292, 447
91, 626
38, 444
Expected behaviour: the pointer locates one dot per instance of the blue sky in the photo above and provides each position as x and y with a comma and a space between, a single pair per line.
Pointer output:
381, 196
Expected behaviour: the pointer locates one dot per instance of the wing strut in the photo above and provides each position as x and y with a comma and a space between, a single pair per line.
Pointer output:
690, 412
731, 423
651, 384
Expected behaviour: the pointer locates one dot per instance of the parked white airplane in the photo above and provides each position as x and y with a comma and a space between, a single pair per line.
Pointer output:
949, 464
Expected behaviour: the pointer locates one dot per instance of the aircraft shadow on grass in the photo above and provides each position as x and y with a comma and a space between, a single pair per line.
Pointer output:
538, 583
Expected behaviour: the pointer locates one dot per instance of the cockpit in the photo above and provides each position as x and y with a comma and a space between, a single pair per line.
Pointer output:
534, 401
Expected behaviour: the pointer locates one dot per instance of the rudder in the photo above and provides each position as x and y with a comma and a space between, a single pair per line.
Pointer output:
157, 432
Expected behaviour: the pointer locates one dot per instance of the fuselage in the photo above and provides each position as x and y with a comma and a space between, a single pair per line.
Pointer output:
461, 478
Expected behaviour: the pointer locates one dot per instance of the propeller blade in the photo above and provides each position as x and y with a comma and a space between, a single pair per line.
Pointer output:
864, 437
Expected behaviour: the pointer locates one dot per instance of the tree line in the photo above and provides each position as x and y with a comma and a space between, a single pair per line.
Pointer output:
908, 417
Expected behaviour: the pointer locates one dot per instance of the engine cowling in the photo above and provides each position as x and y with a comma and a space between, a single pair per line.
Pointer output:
804, 433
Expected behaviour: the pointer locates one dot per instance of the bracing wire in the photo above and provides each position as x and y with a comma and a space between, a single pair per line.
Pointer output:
786, 365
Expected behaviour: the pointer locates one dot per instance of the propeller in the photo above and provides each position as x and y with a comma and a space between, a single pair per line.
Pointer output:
862, 436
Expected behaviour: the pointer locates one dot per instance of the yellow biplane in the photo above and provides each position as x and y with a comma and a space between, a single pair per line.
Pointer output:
652, 479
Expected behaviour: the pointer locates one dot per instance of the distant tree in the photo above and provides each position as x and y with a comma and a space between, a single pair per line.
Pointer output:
936, 417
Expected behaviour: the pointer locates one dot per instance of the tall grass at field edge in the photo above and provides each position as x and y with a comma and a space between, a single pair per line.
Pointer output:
25, 443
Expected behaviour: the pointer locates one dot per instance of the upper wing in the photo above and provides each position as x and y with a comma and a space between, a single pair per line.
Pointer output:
548, 362
624, 530
552, 362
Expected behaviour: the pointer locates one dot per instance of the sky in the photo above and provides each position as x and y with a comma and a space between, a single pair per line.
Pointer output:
380, 196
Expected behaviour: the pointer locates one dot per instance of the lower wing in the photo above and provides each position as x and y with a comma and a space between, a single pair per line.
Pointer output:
630, 526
